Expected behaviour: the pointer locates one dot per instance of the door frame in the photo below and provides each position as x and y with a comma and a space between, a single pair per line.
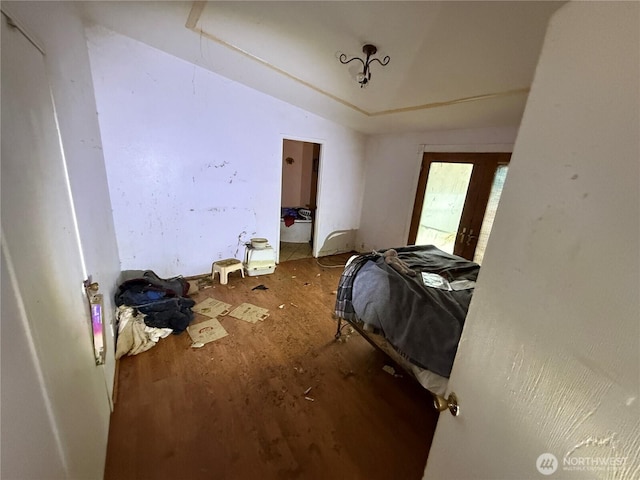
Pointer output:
485, 165
316, 219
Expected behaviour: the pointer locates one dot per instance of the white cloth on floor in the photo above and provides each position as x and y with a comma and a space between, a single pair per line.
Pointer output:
134, 336
155, 334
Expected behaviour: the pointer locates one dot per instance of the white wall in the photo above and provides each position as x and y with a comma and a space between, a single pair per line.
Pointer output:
392, 170
194, 160
549, 359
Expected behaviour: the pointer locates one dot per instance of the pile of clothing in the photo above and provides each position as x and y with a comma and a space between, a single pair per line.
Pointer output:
150, 308
290, 215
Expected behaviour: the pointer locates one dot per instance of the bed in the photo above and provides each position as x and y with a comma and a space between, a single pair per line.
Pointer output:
413, 310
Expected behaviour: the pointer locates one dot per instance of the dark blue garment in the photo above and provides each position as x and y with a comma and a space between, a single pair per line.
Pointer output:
174, 313
162, 307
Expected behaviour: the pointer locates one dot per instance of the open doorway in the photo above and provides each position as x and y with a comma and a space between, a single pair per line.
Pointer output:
300, 165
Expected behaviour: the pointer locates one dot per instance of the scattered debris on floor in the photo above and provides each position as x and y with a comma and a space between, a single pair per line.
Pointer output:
205, 332
249, 313
389, 369
260, 287
204, 282
307, 391
345, 336
197, 345
193, 289
294, 305
212, 308
310, 399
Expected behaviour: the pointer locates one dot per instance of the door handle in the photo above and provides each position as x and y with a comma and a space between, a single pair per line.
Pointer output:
96, 306
461, 235
470, 237
450, 403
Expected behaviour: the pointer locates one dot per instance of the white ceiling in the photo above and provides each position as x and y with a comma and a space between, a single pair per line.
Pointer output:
453, 64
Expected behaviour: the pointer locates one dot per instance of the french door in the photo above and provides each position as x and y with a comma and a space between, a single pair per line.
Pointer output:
456, 201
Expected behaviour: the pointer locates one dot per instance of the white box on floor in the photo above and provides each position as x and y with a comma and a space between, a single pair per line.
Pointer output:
259, 261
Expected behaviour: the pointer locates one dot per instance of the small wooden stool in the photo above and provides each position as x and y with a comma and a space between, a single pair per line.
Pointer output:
224, 267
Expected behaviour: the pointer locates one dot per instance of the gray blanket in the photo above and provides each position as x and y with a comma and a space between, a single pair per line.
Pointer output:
422, 323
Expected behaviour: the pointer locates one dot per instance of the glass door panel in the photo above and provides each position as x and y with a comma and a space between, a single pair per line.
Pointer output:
490, 213
444, 200
455, 191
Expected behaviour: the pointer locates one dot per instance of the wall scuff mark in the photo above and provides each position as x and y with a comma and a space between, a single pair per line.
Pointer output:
594, 441
241, 242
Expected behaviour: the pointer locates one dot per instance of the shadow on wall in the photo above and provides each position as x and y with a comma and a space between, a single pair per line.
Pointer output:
339, 241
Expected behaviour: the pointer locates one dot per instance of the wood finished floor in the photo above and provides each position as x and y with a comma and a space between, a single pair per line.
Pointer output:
236, 409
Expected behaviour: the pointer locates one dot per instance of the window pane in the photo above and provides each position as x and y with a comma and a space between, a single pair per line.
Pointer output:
444, 199
490, 213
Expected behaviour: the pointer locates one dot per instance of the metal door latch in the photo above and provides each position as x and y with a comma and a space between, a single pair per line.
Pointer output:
450, 403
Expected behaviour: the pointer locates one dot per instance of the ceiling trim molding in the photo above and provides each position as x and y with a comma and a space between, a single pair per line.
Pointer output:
194, 17
255, 58
194, 14
447, 103
17, 24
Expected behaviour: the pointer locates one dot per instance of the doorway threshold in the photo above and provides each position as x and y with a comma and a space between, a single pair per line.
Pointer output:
294, 251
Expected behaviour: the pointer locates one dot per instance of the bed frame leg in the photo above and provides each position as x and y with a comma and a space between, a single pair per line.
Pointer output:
339, 330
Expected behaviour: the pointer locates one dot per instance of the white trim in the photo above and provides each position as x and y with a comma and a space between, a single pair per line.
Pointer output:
296, 138
467, 148
12, 22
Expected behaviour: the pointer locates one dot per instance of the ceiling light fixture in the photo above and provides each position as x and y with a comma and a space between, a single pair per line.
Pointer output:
364, 76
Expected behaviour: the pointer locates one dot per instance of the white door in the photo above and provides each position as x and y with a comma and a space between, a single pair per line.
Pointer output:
41, 249
547, 372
